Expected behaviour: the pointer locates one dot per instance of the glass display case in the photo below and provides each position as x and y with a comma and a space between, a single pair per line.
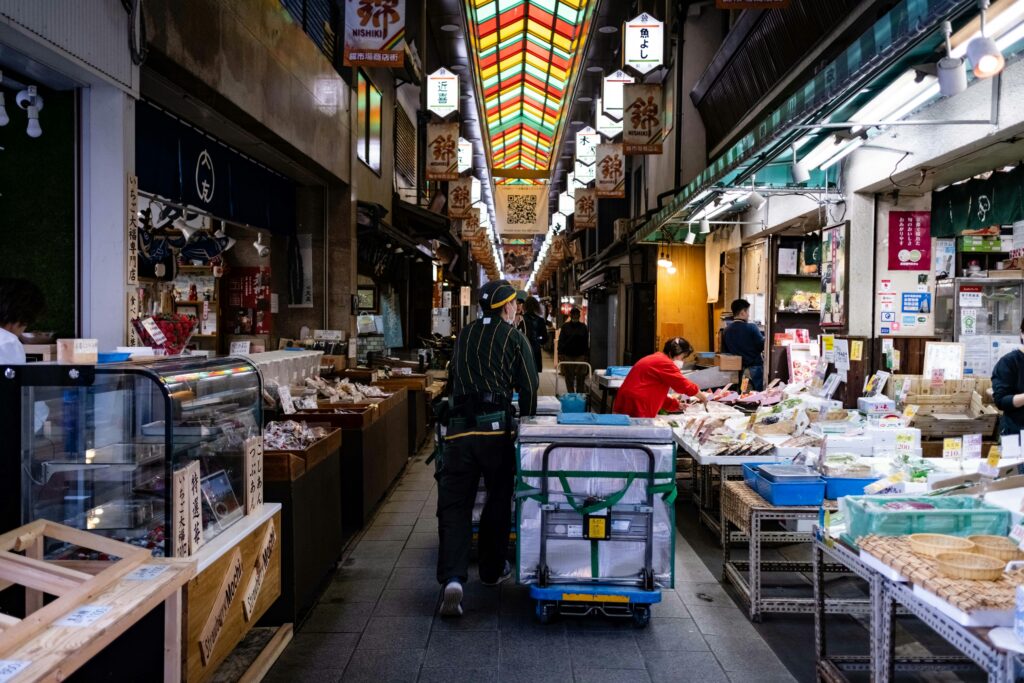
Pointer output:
95, 446
983, 314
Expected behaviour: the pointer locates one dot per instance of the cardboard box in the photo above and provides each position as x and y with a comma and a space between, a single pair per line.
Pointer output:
78, 351
728, 362
339, 363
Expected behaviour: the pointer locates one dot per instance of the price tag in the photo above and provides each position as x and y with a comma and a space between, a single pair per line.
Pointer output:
990, 468
904, 442
909, 413
9, 668
744, 385
146, 572
154, 331
284, 394
828, 347
83, 616
1017, 534
952, 448
239, 347
856, 350
938, 378
1010, 446
972, 446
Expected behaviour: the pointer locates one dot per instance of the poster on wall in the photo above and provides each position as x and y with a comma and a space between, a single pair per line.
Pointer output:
611, 172
521, 209
586, 209
643, 127
943, 258
460, 198
834, 244
910, 240
300, 272
442, 151
375, 33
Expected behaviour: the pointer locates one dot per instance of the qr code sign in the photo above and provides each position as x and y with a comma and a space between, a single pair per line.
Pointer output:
522, 209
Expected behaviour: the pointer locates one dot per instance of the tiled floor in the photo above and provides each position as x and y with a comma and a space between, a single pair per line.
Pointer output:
376, 621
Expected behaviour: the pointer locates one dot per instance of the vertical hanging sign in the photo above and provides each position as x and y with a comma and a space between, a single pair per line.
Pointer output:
465, 155
587, 140
442, 151
443, 93
910, 240
132, 242
643, 127
375, 33
611, 172
459, 197
586, 208
643, 43
611, 93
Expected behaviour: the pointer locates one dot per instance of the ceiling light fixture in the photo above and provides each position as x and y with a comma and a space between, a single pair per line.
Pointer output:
29, 100
449, 28
799, 170
608, 28
585, 100
595, 69
262, 250
986, 57
691, 237
705, 226
951, 70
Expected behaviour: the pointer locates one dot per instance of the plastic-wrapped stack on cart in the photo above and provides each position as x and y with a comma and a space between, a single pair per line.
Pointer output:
596, 470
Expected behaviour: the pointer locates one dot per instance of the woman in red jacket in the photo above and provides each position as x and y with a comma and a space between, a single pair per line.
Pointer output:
645, 390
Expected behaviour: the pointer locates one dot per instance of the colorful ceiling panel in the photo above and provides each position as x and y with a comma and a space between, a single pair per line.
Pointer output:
526, 57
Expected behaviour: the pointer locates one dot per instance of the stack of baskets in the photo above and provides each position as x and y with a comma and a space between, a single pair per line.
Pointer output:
975, 558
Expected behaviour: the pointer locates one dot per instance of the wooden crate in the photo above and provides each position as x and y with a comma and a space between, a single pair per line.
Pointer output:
952, 393
978, 418
289, 465
357, 417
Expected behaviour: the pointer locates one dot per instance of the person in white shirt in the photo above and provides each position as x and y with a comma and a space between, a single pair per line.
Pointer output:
21, 302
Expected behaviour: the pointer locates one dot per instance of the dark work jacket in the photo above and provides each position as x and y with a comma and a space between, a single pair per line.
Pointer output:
536, 334
1008, 381
744, 339
574, 340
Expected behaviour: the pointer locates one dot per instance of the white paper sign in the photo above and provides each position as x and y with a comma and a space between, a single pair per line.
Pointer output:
644, 43
146, 572
464, 296
154, 331
1009, 445
284, 393
83, 616
239, 347
970, 299
9, 668
443, 92
841, 350
972, 446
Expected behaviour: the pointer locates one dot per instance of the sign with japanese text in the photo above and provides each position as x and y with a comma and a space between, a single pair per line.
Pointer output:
180, 511
611, 171
521, 209
970, 296
471, 223
474, 190
587, 140
460, 195
586, 208
195, 504
253, 473
910, 240
465, 155
585, 173
134, 309
611, 93
643, 126
442, 151
643, 43
558, 222
375, 33
566, 204
443, 93
262, 564
607, 125
132, 238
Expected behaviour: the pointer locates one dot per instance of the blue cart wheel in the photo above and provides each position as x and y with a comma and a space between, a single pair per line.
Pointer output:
641, 616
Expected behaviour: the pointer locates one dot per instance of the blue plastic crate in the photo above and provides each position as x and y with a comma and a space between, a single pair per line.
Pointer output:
573, 403
618, 370
796, 493
750, 475
840, 487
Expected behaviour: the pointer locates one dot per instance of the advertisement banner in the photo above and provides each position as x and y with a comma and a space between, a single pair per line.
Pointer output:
643, 128
442, 151
375, 33
611, 172
521, 209
910, 240
460, 194
586, 208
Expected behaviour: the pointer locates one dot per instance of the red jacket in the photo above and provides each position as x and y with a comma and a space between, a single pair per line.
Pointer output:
644, 392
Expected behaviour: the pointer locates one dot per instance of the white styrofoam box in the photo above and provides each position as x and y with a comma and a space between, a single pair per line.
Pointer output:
885, 437
858, 445
876, 405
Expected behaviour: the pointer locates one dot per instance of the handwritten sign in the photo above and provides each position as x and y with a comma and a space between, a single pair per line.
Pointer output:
252, 590
856, 350
131, 244
146, 572
952, 448
239, 347
180, 527
222, 604
828, 347
253, 473
9, 668
83, 616
284, 393
972, 446
195, 507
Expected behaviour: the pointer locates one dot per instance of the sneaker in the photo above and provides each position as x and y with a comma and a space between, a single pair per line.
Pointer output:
506, 574
451, 600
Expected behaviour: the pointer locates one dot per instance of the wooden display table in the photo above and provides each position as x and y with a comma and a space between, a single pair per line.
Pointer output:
97, 602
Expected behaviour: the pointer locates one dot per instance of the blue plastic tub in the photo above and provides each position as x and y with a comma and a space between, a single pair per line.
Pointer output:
840, 487
797, 493
112, 356
618, 370
610, 420
573, 403
750, 476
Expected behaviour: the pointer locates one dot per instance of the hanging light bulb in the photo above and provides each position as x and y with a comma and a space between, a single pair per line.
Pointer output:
33, 129
4, 118
705, 226
672, 270
986, 57
663, 261
30, 100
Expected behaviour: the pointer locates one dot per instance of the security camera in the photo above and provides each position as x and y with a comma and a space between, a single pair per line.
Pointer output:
261, 249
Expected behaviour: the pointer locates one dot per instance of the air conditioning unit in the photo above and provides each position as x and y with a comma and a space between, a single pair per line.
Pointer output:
622, 227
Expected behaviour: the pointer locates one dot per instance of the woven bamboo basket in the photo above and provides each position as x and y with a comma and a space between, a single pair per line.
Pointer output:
999, 547
971, 566
933, 545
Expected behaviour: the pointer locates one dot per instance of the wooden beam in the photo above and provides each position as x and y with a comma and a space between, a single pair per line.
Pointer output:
268, 655
6, 621
172, 638
38, 575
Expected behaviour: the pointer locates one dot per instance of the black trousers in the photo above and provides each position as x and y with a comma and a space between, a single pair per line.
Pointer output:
464, 460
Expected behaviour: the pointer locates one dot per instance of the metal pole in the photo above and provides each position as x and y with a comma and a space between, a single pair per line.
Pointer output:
422, 115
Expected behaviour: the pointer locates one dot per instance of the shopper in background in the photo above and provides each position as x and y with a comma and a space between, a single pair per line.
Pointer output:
21, 302
745, 339
520, 320
536, 330
644, 392
490, 361
574, 347
1008, 389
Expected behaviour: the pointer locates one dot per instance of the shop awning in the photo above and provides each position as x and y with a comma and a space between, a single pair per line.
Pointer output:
421, 224
887, 50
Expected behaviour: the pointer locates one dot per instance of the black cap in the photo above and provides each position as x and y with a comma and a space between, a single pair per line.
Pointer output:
495, 294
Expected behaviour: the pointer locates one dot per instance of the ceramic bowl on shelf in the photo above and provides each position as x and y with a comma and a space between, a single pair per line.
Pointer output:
37, 337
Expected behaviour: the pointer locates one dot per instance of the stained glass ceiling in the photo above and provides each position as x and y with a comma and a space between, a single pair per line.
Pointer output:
526, 55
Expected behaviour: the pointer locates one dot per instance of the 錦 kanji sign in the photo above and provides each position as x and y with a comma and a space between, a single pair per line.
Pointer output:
442, 151
642, 119
586, 208
611, 171
375, 33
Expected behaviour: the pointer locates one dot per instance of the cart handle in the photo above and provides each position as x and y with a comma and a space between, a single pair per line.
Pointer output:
545, 472
558, 366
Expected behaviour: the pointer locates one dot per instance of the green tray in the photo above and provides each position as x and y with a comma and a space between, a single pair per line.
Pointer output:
955, 515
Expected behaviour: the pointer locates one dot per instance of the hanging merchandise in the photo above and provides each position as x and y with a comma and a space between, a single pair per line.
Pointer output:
521, 209
586, 208
375, 33
643, 128
611, 172
443, 93
643, 43
459, 197
442, 151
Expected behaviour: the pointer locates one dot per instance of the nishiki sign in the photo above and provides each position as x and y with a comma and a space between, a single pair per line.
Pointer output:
375, 33
442, 151
643, 119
